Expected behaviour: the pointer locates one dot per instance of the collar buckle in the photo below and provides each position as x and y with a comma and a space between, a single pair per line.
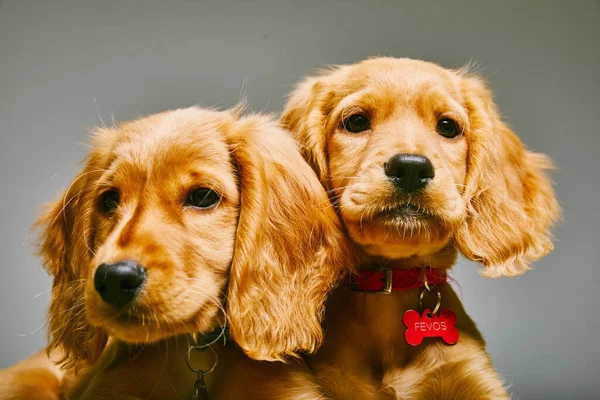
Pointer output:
387, 283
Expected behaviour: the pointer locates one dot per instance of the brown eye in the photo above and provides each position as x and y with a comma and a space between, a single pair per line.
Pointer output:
448, 128
202, 198
357, 123
109, 201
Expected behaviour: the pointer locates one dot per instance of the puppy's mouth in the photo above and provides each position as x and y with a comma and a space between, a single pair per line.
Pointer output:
128, 319
139, 327
406, 213
141, 324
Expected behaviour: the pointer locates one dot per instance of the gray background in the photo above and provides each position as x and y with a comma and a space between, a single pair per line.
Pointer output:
61, 60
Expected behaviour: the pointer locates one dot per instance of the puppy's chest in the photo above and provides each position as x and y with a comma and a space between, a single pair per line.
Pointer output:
372, 323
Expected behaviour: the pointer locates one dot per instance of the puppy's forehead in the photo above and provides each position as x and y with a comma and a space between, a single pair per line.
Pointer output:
174, 137
400, 77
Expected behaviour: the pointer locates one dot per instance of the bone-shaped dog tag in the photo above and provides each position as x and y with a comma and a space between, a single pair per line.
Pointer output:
430, 325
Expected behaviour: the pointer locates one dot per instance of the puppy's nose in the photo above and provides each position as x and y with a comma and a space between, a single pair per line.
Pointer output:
409, 172
119, 283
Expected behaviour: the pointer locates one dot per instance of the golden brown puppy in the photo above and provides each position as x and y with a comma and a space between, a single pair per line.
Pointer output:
176, 219
419, 165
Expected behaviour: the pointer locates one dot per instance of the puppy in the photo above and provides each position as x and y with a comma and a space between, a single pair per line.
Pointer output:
176, 220
419, 166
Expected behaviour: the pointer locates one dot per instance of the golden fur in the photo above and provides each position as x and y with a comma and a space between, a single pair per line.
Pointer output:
490, 199
271, 243
36, 377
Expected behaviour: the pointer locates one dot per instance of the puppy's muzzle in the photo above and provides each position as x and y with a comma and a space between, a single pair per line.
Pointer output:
118, 284
409, 172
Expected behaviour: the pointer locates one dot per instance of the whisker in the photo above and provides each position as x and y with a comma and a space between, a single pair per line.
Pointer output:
33, 331
39, 294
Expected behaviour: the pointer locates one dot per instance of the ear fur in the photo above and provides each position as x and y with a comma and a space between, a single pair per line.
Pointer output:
290, 250
511, 203
305, 114
66, 230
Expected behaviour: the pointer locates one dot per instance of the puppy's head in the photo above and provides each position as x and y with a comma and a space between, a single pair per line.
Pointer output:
419, 161
170, 208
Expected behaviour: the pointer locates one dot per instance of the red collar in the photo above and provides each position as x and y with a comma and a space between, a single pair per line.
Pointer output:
387, 280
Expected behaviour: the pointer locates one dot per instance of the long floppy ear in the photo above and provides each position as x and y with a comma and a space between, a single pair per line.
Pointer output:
305, 115
290, 250
66, 229
511, 203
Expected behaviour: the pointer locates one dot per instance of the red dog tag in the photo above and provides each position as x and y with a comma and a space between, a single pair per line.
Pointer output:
428, 325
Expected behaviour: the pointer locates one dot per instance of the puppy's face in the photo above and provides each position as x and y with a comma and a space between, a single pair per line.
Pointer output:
419, 163
172, 211
164, 211
398, 156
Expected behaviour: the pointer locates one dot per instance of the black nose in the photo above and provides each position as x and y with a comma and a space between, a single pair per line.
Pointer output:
119, 283
409, 172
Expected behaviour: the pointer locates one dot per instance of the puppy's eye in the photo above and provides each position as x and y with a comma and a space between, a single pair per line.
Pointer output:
448, 128
202, 198
357, 123
109, 201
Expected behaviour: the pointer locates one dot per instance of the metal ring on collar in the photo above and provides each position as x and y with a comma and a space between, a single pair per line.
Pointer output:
201, 348
439, 298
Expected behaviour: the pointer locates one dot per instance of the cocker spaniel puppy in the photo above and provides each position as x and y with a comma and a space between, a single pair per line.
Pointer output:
419, 165
177, 221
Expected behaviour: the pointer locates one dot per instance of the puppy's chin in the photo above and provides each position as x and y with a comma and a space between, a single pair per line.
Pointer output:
146, 327
135, 331
397, 231
391, 226
393, 240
